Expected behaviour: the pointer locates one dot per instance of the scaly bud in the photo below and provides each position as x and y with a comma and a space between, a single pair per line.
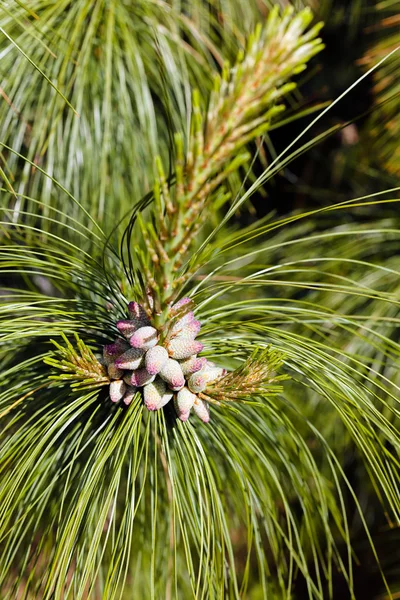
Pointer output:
186, 327
199, 381
141, 377
131, 359
155, 394
112, 351
114, 372
184, 401
193, 364
127, 327
190, 330
145, 338
117, 390
129, 394
181, 348
202, 410
172, 374
180, 323
155, 359
128, 377
184, 416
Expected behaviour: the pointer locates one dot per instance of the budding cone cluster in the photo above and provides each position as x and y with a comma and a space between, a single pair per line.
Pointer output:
162, 370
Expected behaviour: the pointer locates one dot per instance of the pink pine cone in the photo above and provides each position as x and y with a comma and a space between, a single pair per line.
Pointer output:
141, 377
145, 338
193, 364
117, 390
202, 410
155, 394
112, 351
172, 374
184, 401
129, 394
155, 359
114, 372
181, 348
131, 359
127, 327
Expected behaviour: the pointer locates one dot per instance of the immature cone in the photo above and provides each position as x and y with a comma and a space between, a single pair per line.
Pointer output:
184, 402
192, 364
131, 359
141, 377
181, 348
155, 359
201, 409
144, 338
156, 395
129, 394
172, 374
117, 390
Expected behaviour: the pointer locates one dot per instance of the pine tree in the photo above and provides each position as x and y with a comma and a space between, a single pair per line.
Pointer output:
181, 394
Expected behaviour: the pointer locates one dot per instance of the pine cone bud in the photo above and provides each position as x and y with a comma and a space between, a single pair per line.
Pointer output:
172, 374
202, 410
112, 351
117, 390
184, 401
193, 364
114, 372
155, 359
141, 377
131, 359
155, 394
184, 348
145, 338
156, 370
129, 394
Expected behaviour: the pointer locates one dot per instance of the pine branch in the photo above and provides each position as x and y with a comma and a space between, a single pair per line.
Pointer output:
80, 365
242, 105
255, 377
